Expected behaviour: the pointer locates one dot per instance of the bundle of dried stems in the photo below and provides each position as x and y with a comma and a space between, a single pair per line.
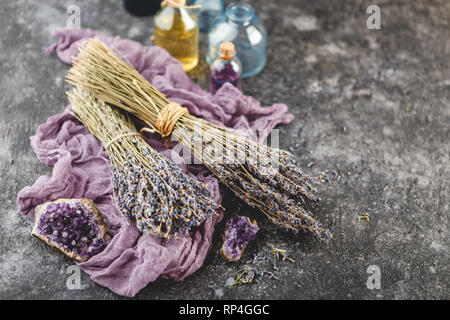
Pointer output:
147, 187
264, 177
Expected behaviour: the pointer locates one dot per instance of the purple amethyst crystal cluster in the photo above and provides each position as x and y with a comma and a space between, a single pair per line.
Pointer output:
239, 231
73, 226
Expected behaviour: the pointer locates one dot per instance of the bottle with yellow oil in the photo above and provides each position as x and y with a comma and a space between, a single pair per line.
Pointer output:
176, 30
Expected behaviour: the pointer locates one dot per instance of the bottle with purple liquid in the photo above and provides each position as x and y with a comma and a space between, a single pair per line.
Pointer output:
226, 68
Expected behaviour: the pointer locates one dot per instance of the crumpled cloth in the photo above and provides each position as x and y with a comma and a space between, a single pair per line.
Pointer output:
80, 168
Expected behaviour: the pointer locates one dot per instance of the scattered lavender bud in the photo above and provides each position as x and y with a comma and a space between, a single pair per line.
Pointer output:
229, 282
219, 293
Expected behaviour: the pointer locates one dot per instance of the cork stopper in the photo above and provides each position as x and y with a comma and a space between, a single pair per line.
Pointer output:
174, 3
227, 50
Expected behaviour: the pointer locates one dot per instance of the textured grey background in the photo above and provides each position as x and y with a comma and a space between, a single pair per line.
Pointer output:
371, 106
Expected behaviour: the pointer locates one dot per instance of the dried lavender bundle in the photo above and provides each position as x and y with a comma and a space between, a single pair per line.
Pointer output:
264, 177
147, 187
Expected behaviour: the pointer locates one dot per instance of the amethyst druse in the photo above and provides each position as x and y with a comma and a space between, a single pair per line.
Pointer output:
239, 231
73, 226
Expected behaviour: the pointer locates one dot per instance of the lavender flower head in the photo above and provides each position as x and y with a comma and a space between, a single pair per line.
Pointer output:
239, 231
73, 226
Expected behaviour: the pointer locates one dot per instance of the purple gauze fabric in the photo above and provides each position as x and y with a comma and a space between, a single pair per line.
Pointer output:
80, 167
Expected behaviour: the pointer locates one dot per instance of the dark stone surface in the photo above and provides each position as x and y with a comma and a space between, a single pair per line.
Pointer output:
372, 109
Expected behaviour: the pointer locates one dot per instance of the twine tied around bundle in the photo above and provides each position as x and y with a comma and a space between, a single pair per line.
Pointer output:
167, 117
164, 124
122, 136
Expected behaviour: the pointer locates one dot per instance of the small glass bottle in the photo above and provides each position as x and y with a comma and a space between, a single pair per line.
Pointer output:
226, 68
176, 30
240, 25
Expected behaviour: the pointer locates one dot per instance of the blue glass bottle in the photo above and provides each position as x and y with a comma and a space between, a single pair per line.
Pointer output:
240, 25
210, 10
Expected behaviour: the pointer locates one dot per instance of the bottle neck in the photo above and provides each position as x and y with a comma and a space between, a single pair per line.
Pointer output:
226, 60
174, 3
170, 17
239, 13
